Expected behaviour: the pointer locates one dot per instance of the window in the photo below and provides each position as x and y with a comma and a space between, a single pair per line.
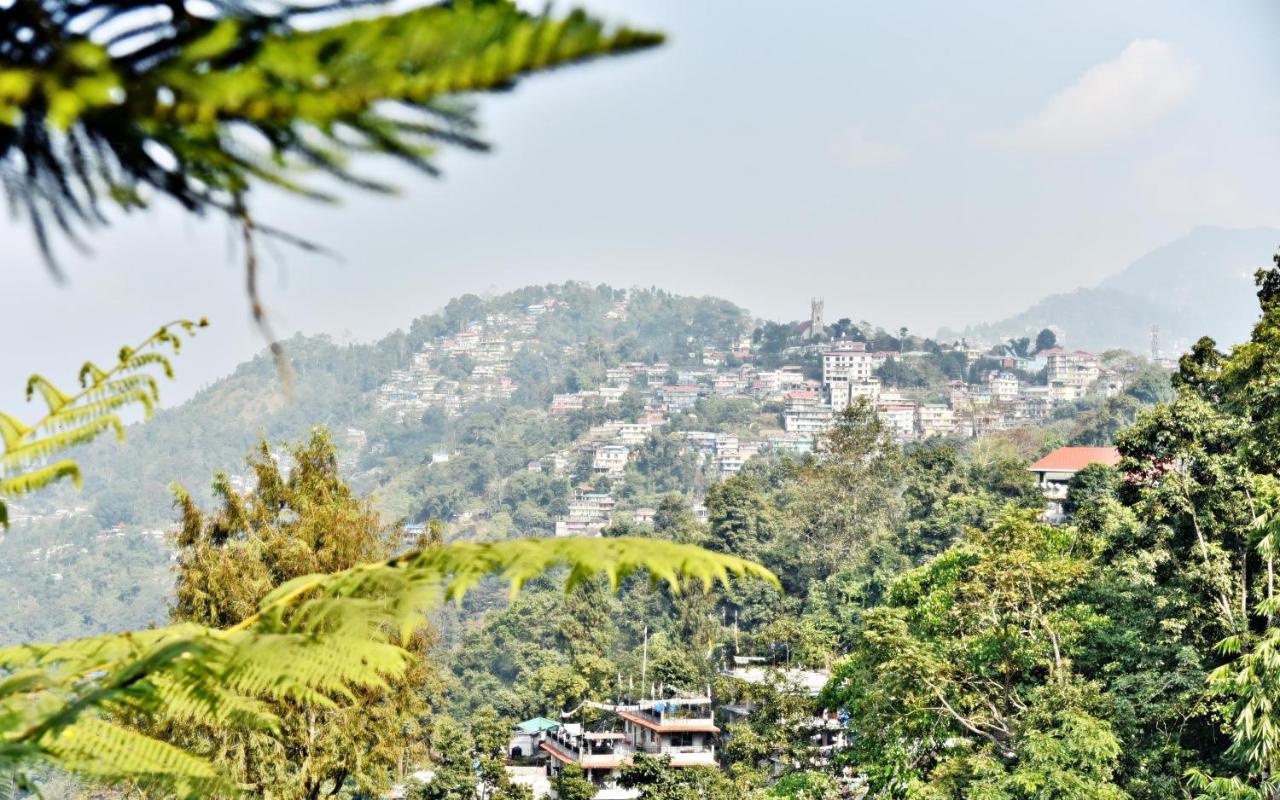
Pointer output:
682, 740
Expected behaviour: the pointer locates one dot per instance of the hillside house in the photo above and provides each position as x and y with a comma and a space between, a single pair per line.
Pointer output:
899, 417
1055, 471
848, 361
804, 413
611, 459
679, 728
1075, 370
935, 419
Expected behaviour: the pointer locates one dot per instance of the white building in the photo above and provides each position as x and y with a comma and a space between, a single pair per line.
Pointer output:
804, 413
1075, 370
611, 459
849, 361
1003, 386
899, 417
935, 419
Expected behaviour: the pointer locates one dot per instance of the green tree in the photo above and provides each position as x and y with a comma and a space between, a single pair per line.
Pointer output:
1046, 339
292, 525
571, 784
962, 683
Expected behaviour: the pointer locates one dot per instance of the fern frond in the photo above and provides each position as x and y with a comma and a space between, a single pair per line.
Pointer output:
41, 449
53, 397
76, 420
97, 749
143, 360
12, 432
90, 373
98, 410
27, 482
86, 116
313, 639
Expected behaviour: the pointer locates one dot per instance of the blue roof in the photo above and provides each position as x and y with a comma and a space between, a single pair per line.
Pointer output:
537, 725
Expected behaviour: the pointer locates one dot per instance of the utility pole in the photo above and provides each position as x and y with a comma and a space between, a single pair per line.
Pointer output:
644, 660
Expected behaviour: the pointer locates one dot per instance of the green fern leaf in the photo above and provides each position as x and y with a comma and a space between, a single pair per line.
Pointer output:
28, 482
53, 397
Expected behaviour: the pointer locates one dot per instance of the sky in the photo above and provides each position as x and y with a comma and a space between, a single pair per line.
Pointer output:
913, 163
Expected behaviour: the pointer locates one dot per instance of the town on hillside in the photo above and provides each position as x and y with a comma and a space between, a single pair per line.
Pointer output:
793, 386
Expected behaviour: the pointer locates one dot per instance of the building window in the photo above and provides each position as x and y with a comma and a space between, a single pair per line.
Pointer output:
682, 740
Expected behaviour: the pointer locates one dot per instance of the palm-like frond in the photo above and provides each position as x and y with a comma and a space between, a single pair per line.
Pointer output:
112, 100
29, 457
315, 637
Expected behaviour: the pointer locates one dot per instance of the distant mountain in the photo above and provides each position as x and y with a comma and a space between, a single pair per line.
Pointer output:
1201, 284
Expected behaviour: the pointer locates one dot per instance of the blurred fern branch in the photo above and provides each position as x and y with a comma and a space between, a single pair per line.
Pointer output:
29, 459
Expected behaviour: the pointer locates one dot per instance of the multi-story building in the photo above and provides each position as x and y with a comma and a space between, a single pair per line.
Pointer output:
1076, 370
935, 419
611, 459
680, 729
795, 444
1034, 403
680, 397
844, 393
899, 417
848, 361
589, 514
1003, 386
803, 412
564, 403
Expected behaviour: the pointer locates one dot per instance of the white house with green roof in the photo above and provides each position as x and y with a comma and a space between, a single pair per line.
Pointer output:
526, 735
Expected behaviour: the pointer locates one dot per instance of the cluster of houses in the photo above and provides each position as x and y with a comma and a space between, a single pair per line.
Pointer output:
1000, 400
489, 346
683, 727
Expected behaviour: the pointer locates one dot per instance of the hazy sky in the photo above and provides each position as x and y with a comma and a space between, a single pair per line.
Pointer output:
917, 163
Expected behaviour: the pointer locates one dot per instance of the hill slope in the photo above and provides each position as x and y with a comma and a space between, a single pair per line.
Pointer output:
1201, 284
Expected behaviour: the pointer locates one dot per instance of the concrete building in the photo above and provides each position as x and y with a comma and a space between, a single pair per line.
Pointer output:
935, 419
803, 412
679, 728
848, 361
899, 417
1077, 370
611, 459
1055, 471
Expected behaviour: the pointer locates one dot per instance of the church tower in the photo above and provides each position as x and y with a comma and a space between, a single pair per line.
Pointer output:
815, 318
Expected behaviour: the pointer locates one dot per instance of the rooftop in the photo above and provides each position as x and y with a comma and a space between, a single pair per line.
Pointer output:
1074, 459
537, 725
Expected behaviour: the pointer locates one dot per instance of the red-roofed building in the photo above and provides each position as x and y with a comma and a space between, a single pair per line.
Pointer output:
1055, 470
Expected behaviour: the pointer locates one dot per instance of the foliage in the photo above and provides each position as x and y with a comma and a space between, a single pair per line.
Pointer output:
311, 638
655, 779
962, 685
103, 101
290, 525
29, 460
1046, 339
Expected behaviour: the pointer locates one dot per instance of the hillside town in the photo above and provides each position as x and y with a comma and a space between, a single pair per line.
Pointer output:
803, 388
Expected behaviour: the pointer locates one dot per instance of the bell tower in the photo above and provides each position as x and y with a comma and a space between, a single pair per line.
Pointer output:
815, 317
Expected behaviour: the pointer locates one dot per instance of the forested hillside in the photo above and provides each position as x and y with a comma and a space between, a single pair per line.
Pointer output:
333, 385
1198, 285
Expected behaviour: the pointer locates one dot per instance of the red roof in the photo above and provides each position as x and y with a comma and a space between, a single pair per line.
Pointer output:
1074, 459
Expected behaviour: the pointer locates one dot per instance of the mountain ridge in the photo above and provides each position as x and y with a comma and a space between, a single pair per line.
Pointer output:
1200, 284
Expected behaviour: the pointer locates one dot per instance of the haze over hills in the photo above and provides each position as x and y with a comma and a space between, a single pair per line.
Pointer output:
1200, 284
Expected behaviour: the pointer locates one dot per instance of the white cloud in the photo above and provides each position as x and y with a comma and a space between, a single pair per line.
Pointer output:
855, 149
1108, 102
